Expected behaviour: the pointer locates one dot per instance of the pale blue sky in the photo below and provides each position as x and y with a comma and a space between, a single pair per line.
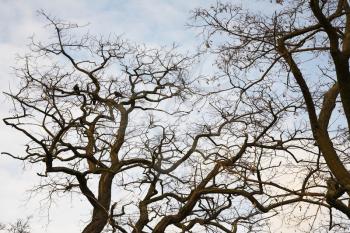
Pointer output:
153, 22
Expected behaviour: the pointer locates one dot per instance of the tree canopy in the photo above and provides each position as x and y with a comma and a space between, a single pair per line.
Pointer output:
155, 148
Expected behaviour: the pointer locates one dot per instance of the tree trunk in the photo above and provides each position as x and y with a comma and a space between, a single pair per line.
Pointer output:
101, 212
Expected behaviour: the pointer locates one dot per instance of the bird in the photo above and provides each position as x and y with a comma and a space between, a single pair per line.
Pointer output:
76, 89
94, 99
117, 94
207, 44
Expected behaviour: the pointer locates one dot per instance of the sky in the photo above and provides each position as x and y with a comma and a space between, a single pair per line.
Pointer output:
152, 22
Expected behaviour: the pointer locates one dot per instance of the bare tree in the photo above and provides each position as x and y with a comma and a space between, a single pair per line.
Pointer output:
129, 129
154, 149
299, 53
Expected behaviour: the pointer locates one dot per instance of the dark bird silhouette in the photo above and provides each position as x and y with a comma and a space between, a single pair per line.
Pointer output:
118, 94
76, 89
94, 99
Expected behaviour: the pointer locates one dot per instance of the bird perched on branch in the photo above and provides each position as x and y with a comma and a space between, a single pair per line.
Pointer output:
76, 89
117, 94
93, 99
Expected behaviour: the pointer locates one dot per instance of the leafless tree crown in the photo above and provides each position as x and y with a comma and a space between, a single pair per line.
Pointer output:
155, 149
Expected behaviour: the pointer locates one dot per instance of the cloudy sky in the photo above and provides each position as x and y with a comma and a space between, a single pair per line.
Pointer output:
153, 22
